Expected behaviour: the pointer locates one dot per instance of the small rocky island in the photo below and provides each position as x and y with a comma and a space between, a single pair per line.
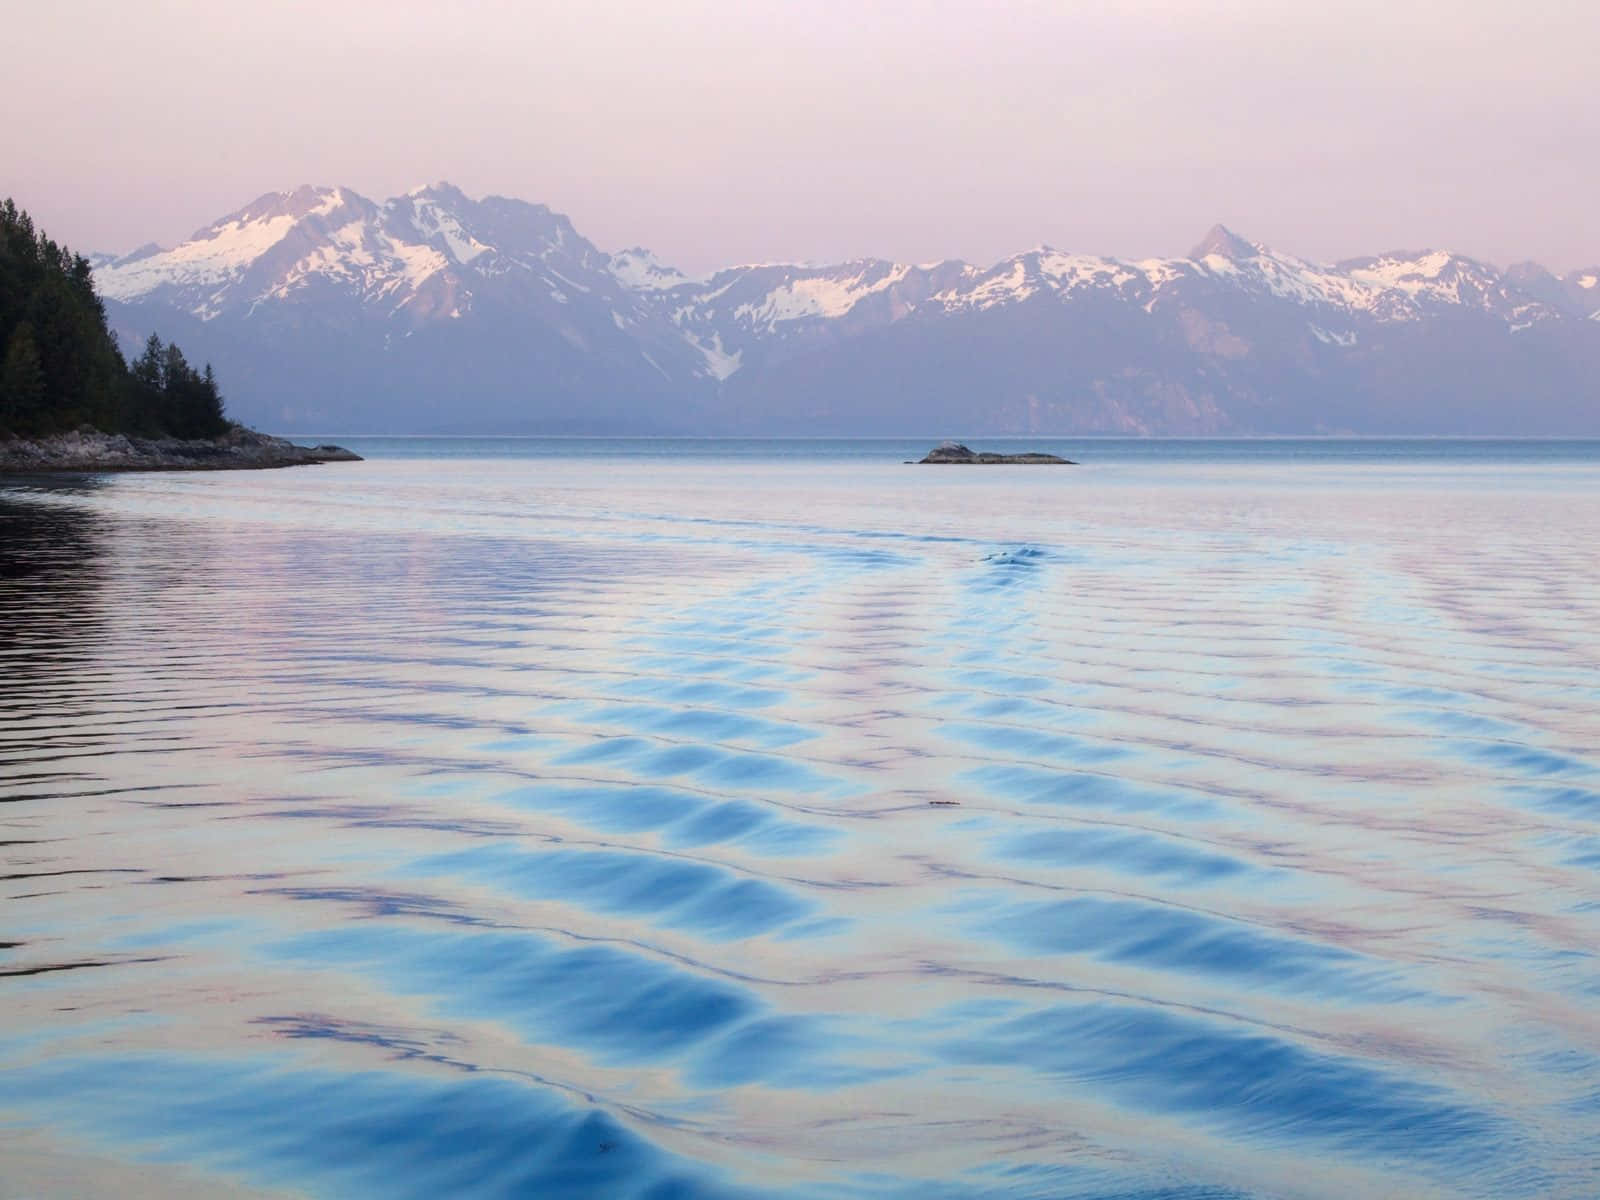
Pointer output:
239, 449
955, 452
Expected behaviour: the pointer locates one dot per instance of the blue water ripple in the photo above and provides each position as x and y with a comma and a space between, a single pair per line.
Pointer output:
714, 902
1164, 937
741, 768
699, 724
358, 1134
1036, 785
1257, 1085
1527, 760
620, 1006
685, 819
1131, 852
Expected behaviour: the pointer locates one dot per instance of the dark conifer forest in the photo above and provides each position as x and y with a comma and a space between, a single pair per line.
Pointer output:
60, 367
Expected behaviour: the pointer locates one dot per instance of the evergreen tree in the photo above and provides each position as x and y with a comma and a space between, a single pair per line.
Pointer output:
150, 369
21, 382
212, 404
61, 366
174, 367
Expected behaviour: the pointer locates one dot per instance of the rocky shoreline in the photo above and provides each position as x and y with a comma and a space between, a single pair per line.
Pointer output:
955, 452
239, 449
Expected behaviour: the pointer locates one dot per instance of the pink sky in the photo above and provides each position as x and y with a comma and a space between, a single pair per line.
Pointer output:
716, 132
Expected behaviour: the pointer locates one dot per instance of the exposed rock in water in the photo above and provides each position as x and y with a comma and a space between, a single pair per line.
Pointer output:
90, 450
955, 452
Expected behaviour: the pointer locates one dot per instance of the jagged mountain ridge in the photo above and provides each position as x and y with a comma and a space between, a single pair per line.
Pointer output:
321, 306
325, 310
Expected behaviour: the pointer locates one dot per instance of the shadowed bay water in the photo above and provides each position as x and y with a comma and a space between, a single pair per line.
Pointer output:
597, 818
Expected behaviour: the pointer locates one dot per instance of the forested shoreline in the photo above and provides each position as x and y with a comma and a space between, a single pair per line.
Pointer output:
60, 366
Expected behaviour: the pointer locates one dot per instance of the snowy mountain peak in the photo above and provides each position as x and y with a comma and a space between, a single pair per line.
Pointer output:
436, 263
300, 202
334, 241
435, 216
639, 269
1441, 277
439, 189
223, 252
435, 294
1224, 243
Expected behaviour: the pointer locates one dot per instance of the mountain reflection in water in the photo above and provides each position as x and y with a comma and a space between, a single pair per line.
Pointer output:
586, 826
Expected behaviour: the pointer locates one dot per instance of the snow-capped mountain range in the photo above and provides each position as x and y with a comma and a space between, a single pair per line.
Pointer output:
323, 310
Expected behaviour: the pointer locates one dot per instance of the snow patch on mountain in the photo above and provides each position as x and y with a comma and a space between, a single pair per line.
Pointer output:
1305, 284
435, 255
332, 200
1435, 277
434, 222
1161, 271
410, 266
213, 256
1067, 272
1331, 337
719, 363
638, 269
825, 295
1008, 283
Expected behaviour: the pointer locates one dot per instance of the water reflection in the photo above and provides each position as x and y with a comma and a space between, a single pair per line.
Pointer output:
50, 581
523, 832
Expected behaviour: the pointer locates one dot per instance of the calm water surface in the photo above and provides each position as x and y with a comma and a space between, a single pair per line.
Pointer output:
773, 819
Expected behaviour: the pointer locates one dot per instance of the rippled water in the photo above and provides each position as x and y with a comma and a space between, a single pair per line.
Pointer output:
593, 823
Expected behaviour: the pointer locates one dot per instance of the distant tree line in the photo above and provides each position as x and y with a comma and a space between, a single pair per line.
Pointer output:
59, 362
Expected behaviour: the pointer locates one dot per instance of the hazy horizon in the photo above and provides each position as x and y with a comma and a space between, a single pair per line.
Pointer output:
716, 133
